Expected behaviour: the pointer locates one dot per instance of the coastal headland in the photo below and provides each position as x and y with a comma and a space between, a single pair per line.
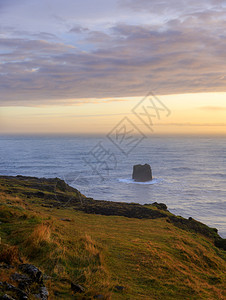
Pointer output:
63, 245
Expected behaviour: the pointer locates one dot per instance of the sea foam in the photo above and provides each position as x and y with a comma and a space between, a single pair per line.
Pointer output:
128, 180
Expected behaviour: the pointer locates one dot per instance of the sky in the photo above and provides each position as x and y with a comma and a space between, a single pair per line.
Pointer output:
82, 66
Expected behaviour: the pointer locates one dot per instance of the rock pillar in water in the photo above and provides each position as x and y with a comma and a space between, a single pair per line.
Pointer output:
142, 173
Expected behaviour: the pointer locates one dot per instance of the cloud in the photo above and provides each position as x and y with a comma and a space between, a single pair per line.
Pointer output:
173, 7
78, 29
70, 58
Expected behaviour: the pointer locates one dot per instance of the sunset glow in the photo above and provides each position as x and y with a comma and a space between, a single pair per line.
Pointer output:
190, 114
80, 67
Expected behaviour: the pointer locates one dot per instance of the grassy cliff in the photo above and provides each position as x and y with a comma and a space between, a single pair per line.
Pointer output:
113, 250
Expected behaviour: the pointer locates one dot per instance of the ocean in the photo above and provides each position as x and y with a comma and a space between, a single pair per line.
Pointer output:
189, 172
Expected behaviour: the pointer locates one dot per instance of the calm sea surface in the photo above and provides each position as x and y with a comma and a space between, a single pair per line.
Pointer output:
189, 172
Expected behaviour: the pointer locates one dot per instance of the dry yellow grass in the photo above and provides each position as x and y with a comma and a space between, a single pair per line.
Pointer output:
151, 259
40, 235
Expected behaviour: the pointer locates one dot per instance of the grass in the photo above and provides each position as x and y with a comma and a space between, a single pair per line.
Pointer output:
149, 258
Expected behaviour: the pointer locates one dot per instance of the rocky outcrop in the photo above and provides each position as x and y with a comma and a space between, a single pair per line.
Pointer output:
160, 206
34, 273
129, 210
142, 173
50, 190
27, 281
44, 294
7, 297
18, 292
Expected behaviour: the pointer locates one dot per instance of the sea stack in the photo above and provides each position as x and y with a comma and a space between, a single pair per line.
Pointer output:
142, 173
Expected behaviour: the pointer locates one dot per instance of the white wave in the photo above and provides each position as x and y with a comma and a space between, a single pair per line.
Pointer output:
128, 180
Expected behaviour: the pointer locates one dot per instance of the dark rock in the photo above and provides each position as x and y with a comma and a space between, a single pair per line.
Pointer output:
77, 288
65, 219
35, 274
161, 206
44, 293
99, 296
23, 280
7, 297
20, 294
142, 173
119, 287
6, 266
24, 285
19, 277
9, 286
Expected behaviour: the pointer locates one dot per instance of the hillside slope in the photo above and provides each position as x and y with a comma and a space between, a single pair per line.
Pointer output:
88, 249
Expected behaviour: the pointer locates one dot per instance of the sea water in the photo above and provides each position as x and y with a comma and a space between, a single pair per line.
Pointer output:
189, 172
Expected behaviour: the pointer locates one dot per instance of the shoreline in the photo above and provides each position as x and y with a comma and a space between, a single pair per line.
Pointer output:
55, 193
